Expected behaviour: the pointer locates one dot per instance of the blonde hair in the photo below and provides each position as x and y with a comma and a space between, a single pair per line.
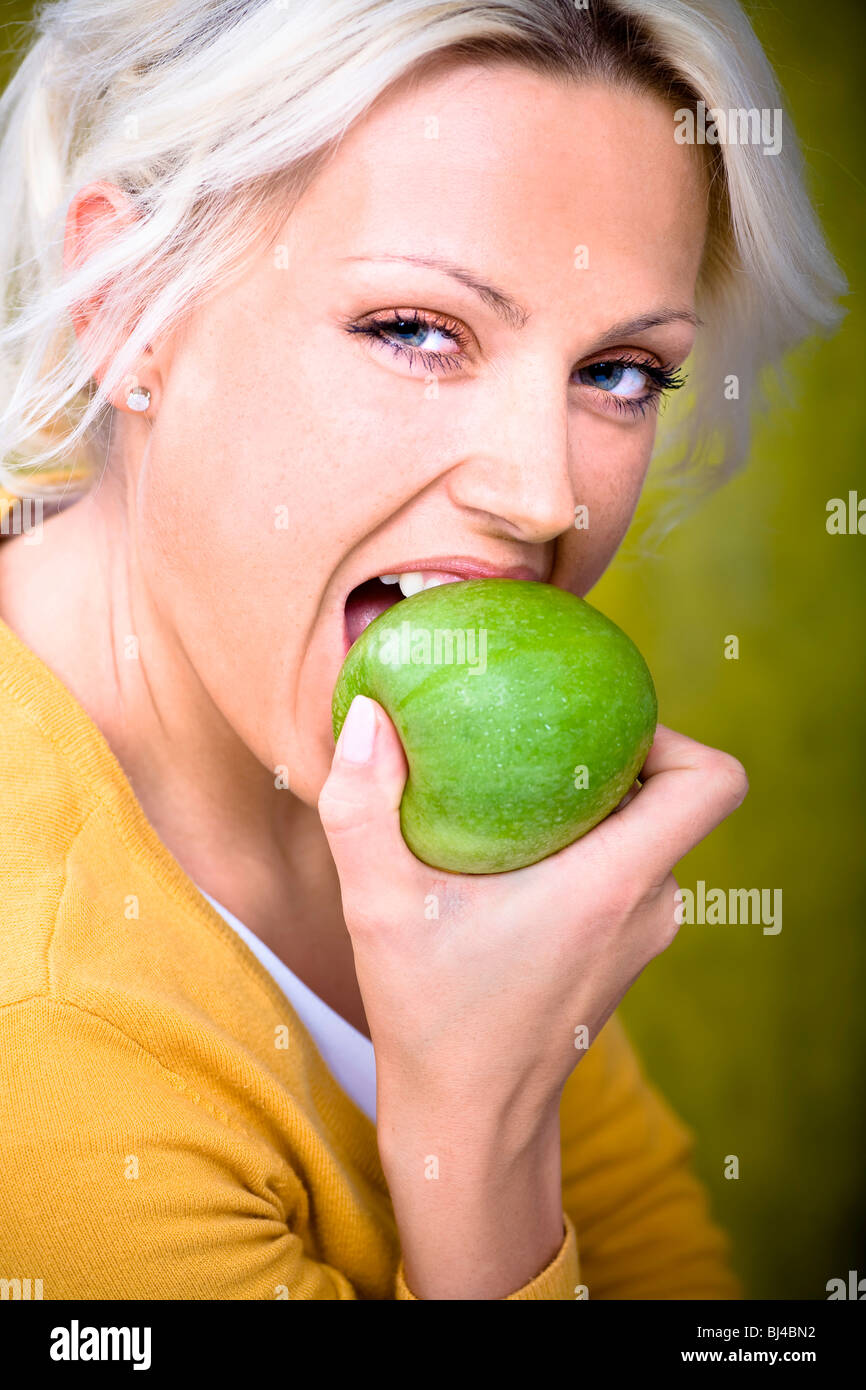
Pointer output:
211, 115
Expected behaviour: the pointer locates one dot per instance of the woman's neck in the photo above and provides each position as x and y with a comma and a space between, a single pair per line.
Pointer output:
76, 601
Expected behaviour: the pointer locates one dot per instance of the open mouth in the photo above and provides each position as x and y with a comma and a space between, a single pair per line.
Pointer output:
368, 600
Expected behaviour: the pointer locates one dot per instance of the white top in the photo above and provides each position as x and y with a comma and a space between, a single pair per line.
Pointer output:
348, 1055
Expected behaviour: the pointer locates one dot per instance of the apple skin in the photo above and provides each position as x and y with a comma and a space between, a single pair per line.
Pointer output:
494, 743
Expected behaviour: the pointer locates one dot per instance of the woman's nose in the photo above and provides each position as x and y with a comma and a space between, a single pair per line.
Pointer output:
515, 464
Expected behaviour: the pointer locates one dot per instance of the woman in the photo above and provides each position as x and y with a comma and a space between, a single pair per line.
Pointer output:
306, 295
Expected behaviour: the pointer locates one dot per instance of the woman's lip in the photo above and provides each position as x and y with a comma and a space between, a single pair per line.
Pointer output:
465, 569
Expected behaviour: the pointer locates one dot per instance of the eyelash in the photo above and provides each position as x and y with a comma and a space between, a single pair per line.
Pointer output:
376, 329
660, 380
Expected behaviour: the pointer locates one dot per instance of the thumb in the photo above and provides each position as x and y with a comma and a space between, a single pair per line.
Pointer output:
359, 805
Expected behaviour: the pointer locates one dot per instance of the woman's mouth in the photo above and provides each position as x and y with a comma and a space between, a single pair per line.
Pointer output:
372, 597
367, 600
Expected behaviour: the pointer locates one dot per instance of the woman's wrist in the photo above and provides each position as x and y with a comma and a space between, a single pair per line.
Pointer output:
478, 1216
495, 1115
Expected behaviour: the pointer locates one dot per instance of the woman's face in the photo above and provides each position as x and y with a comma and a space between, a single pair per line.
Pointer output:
347, 409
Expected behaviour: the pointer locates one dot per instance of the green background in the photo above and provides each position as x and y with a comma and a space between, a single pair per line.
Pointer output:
758, 1041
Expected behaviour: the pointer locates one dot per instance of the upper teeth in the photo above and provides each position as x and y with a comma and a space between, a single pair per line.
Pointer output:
412, 581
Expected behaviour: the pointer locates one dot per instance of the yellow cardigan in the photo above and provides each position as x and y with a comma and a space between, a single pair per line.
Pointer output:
168, 1129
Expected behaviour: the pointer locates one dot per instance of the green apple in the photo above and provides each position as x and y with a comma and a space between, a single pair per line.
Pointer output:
524, 713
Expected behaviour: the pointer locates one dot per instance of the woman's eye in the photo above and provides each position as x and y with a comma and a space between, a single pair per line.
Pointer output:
417, 334
435, 343
616, 378
632, 388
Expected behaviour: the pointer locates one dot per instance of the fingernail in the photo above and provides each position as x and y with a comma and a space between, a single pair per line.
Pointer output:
358, 734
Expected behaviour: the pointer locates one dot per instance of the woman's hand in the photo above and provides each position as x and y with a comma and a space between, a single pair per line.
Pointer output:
474, 984
478, 988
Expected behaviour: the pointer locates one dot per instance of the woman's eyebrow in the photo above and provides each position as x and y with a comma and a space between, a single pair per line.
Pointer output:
502, 304
655, 319
517, 317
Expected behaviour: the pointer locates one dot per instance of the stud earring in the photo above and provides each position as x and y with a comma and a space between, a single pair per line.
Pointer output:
138, 398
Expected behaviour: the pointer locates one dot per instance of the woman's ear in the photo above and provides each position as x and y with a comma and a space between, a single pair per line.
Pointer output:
96, 214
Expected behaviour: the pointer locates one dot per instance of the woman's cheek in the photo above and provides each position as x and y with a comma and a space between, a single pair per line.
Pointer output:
607, 489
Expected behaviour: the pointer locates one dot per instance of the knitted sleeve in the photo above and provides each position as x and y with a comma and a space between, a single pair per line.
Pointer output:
642, 1218
120, 1181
